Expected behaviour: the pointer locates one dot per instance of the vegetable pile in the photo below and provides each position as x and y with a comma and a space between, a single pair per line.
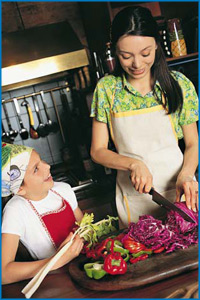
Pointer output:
91, 231
147, 237
175, 233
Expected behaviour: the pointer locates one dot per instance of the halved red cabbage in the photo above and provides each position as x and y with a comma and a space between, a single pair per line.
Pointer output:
173, 234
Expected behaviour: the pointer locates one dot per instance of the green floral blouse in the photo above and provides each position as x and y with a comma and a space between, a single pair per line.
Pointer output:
127, 98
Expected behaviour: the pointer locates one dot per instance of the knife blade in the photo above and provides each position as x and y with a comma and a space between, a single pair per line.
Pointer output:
163, 202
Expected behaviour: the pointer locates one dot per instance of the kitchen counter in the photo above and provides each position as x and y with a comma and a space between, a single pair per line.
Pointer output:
58, 284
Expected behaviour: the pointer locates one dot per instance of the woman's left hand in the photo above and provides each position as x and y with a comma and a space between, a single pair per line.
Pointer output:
185, 184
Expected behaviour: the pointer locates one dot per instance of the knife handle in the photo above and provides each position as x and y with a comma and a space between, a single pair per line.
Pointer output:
151, 191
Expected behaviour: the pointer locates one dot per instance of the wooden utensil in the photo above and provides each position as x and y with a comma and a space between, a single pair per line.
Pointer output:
87, 75
156, 268
33, 133
185, 292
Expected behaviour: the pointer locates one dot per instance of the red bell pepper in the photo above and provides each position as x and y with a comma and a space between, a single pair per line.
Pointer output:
159, 250
85, 248
101, 249
119, 236
133, 246
92, 254
114, 264
133, 260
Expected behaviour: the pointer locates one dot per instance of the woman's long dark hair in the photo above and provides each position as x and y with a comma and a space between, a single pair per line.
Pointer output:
137, 20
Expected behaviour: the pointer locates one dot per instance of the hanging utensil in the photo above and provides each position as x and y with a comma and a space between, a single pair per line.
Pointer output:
87, 75
76, 81
23, 131
5, 135
52, 126
12, 132
58, 117
42, 129
33, 133
82, 80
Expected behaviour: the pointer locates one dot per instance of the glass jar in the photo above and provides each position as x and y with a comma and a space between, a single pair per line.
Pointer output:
178, 46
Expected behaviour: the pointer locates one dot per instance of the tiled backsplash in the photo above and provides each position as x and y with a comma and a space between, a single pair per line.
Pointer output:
48, 147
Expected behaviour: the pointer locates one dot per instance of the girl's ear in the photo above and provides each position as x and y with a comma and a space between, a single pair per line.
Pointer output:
21, 191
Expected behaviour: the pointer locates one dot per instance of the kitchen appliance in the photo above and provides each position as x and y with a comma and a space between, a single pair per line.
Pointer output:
39, 54
163, 202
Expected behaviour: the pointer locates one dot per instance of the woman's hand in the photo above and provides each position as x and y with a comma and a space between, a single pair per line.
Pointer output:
72, 252
185, 184
141, 177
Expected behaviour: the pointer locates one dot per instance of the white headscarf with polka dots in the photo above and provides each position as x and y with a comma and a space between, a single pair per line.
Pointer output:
15, 159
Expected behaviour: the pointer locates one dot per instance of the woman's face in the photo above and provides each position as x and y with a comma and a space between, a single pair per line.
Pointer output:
136, 55
38, 179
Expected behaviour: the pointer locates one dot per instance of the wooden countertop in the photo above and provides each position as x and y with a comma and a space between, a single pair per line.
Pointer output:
58, 284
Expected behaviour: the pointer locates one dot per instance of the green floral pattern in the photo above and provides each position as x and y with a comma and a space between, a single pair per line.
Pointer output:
127, 99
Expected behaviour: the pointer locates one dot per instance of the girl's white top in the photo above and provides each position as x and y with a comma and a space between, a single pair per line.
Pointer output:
20, 219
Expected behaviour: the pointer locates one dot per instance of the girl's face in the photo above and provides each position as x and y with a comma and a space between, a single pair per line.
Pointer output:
136, 55
38, 180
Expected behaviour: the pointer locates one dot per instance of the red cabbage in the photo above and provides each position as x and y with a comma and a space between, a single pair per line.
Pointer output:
174, 219
173, 234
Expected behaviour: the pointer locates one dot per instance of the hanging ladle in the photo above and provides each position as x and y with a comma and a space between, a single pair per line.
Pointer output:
5, 135
23, 131
51, 126
12, 132
33, 133
42, 128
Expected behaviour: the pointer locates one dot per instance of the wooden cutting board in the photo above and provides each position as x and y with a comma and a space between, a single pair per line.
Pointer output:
155, 268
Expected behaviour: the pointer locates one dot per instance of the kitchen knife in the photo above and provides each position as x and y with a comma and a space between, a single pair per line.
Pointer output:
159, 199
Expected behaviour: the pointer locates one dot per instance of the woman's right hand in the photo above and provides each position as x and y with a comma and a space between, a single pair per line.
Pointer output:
141, 177
72, 252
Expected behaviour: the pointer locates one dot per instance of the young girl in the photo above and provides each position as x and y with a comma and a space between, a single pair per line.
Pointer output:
147, 109
41, 214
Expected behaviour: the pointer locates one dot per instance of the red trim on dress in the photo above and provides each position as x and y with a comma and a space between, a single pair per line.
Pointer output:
57, 223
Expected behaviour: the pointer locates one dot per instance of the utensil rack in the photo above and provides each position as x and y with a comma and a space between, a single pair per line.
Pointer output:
66, 86
38, 93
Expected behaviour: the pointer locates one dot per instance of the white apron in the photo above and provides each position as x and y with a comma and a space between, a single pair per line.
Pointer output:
148, 135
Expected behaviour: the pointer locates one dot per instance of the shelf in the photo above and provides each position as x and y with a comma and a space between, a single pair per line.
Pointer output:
182, 59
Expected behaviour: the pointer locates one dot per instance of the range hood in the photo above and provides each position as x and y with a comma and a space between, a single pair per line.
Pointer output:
38, 54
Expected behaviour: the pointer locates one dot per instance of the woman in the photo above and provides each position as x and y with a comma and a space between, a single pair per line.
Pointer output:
146, 109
